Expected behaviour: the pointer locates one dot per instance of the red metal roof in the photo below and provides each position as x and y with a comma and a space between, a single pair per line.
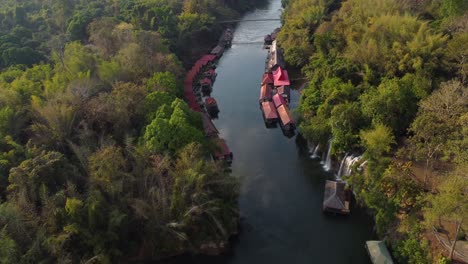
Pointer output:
284, 115
269, 110
267, 78
210, 101
280, 77
265, 93
279, 100
208, 57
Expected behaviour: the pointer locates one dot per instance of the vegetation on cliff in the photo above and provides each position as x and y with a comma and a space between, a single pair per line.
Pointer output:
388, 79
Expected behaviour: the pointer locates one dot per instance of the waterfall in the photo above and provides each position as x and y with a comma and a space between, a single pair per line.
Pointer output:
349, 162
340, 171
310, 147
316, 150
327, 165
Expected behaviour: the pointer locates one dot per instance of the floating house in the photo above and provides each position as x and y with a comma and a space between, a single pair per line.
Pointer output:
378, 252
265, 93
275, 58
278, 100
211, 106
208, 126
267, 79
284, 91
222, 151
206, 85
269, 112
211, 74
336, 198
287, 122
281, 77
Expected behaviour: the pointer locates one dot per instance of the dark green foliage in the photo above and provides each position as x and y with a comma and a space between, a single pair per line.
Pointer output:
100, 159
376, 72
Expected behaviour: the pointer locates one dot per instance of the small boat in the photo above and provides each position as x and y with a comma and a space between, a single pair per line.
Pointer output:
212, 107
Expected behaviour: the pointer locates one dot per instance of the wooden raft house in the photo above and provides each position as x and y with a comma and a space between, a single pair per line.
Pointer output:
201, 77
265, 93
211, 107
269, 112
336, 198
287, 122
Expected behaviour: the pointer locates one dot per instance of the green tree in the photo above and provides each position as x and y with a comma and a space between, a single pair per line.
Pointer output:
450, 204
377, 141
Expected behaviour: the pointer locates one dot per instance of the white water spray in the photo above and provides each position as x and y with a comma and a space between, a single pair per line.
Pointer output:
340, 171
327, 165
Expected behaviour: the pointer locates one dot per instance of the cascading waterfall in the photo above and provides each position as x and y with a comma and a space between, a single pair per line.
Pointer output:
327, 165
349, 162
311, 147
340, 171
316, 150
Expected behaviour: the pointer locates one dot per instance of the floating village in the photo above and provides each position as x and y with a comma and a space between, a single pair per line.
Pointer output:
198, 85
275, 94
275, 97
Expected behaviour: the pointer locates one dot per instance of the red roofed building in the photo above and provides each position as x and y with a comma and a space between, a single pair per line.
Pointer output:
280, 77
267, 78
287, 122
269, 112
265, 93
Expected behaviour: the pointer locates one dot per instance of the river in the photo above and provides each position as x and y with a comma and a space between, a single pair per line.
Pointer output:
281, 187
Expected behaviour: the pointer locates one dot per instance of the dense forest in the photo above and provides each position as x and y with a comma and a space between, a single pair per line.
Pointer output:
101, 161
388, 79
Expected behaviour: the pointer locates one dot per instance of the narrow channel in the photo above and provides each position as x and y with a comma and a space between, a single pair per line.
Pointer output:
281, 187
